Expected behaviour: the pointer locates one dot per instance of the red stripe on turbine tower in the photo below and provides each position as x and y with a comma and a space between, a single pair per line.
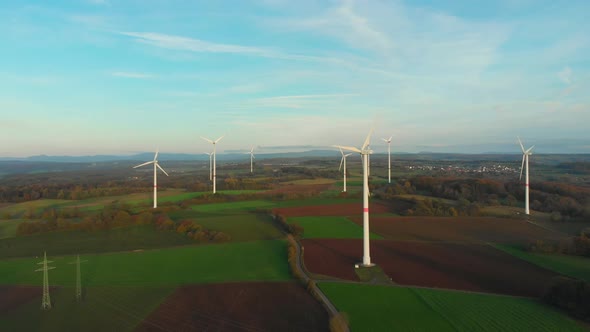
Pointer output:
526, 184
365, 209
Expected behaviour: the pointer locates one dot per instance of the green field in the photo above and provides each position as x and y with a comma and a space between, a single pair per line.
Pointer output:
8, 227
573, 266
103, 309
383, 308
260, 260
244, 227
232, 207
70, 242
388, 308
330, 227
311, 181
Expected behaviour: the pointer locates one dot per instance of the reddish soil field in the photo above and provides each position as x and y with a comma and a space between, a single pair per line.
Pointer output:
348, 209
13, 296
471, 267
257, 306
459, 229
298, 188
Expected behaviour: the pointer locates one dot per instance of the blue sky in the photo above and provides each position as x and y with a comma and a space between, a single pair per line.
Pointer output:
87, 77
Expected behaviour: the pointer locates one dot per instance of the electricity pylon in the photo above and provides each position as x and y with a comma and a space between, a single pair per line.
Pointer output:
46, 301
78, 278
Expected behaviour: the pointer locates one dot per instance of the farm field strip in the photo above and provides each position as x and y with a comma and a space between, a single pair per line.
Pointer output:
330, 227
477, 230
573, 266
260, 260
383, 308
84, 242
251, 306
243, 227
103, 309
479, 268
232, 206
8, 227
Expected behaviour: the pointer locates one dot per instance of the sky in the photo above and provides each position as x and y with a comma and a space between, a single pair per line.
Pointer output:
86, 77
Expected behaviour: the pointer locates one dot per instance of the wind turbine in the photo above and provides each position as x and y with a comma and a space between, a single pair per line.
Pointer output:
214, 154
251, 158
525, 160
388, 141
210, 174
156, 165
365, 152
343, 162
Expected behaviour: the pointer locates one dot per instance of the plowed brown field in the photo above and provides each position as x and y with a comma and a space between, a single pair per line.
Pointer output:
13, 296
348, 209
471, 267
459, 229
256, 306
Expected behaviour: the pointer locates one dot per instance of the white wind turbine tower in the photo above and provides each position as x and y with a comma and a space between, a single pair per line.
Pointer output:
365, 152
388, 141
343, 162
210, 168
156, 166
525, 164
214, 154
251, 159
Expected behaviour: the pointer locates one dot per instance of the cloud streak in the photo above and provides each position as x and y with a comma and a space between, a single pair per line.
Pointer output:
126, 74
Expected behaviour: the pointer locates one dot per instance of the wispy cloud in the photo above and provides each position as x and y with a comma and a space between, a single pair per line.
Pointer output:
180, 43
127, 74
192, 44
565, 75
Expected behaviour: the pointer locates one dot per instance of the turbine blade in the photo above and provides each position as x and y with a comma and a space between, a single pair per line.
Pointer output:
367, 140
219, 139
521, 146
206, 139
341, 162
346, 155
161, 169
341, 152
530, 149
384, 140
349, 148
252, 150
389, 140
156, 155
521, 167
146, 163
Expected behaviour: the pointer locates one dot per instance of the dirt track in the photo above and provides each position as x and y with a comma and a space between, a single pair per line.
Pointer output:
256, 306
470, 267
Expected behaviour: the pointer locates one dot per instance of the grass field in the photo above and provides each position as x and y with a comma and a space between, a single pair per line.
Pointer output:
311, 181
232, 207
260, 260
8, 227
387, 308
330, 227
103, 309
72, 242
244, 227
573, 266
